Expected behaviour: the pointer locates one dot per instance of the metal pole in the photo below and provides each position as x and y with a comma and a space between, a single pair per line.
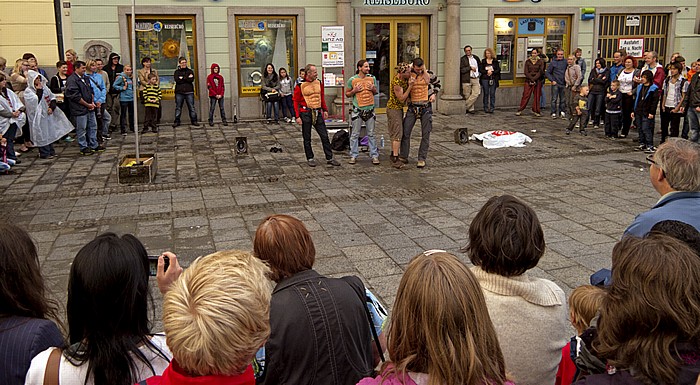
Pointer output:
59, 27
134, 80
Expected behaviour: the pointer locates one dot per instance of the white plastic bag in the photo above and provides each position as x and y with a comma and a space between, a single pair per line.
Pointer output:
501, 138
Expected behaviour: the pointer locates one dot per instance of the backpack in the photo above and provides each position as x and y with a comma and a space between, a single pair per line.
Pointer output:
341, 141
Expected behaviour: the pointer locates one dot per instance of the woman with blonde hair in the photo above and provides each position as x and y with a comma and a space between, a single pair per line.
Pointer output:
440, 330
18, 78
490, 71
71, 58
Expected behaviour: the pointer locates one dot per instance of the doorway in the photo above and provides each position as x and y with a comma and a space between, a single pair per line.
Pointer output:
387, 41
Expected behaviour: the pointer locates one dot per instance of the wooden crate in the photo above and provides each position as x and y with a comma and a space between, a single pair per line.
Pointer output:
129, 173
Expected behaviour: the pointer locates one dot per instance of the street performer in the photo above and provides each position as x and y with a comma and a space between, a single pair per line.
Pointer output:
422, 94
361, 88
311, 111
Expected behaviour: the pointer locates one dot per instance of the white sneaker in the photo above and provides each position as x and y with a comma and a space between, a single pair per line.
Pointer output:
563, 115
554, 115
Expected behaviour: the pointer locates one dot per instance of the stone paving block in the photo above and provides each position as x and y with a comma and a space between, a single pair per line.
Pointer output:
362, 253
377, 267
352, 239
402, 256
190, 222
332, 265
396, 241
420, 231
72, 240
590, 237
440, 242
155, 208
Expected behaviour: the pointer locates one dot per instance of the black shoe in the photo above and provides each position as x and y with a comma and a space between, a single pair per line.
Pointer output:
568, 132
211, 123
99, 149
47, 156
86, 151
333, 162
106, 137
17, 161
225, 123
195, 124
176, 124
154, 130
311, 163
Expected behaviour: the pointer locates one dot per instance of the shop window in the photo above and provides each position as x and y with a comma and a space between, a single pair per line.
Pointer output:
263, 40
164, 39
515, 36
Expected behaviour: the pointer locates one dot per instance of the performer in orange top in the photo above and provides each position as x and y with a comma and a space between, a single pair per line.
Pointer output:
361, 88
423, 93
311, 111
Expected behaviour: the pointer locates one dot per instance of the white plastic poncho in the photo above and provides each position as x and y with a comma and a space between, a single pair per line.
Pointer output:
45, 128
501, 138
11, 104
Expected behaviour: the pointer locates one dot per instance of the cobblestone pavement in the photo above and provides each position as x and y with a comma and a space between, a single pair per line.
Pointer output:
365, 220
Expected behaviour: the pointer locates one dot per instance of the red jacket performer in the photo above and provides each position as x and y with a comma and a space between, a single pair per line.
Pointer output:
215, 84
311, 111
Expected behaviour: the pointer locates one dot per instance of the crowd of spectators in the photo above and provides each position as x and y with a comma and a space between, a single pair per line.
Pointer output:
267, 317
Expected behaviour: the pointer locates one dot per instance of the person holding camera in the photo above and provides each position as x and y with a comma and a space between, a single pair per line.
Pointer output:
534, 72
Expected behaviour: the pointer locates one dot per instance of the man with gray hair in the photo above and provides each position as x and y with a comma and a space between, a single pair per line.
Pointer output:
674, 171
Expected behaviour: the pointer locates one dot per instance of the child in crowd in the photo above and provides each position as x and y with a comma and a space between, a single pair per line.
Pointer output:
125, 84
5, 162
286, 91
302, 76
613, 110
152, 96
215, 84
644, 111
584, 303
440, 304
580, 119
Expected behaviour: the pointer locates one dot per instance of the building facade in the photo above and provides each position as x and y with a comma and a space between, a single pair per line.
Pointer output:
244, 36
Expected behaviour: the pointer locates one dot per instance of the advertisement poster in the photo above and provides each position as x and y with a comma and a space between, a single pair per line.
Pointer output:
634, 46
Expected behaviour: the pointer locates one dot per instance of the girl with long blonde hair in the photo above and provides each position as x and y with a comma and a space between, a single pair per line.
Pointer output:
440, 330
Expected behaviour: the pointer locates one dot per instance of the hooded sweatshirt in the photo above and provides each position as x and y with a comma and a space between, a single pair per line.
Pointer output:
215, 82
112, 73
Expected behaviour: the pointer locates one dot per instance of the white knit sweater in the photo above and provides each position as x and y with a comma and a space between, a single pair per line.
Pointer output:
531, 319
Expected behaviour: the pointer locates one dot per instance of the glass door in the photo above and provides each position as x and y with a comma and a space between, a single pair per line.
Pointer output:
387, 41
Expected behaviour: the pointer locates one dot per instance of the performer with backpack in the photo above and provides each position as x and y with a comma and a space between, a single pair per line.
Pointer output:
361, 88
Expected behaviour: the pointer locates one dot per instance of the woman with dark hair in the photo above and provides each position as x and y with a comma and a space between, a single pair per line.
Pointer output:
626, 78
26, 316
320, 333
598, 82
271, 92
111, 342
649, 328
528, 313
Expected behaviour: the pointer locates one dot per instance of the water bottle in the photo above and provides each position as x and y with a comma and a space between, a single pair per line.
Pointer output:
381, 142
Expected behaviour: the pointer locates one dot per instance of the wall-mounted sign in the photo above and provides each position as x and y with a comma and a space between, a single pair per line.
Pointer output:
397, 2
632, 20
535, 42
531, 26
332, 46
634, 46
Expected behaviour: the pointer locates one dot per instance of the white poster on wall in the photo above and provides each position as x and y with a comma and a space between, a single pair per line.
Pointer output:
632, 20
634, 46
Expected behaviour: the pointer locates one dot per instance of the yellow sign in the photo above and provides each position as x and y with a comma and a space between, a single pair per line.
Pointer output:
250, 90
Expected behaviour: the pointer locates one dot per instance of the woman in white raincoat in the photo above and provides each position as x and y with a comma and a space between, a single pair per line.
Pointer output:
12, 118
47, 123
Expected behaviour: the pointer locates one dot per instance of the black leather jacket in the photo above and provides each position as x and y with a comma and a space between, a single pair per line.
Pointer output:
319, 332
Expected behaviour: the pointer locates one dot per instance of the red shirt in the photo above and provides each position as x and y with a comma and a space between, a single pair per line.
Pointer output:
300, 102
567, 368
174, 375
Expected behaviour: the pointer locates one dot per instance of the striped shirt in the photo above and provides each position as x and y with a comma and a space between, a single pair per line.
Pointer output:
152, 96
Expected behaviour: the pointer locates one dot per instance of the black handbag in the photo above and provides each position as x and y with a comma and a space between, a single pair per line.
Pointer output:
270, 96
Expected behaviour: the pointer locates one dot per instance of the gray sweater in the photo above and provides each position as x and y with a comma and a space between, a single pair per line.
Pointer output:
531, 319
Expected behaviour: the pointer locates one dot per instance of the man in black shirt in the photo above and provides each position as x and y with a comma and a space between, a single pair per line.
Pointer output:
184, 92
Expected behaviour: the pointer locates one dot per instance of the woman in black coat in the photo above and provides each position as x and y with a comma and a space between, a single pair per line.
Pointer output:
490, 71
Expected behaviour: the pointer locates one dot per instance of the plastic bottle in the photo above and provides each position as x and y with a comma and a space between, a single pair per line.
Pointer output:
381, 142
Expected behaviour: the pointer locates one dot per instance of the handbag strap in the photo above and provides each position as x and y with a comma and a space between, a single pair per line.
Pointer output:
363, 298
52, 367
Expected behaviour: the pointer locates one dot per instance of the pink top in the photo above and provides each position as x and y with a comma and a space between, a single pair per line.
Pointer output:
410, 379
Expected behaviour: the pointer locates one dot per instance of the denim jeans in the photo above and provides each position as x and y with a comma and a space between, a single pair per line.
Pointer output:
694, 122
185, 98
355, 136
106, 121
559, 91
287, 107
127, 107
86, 130
646, 129
212, 107
489, 92
426, 125
272, 106
10, 136
47, 150
596, 103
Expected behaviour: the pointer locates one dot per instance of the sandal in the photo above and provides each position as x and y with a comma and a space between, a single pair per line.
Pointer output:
25, 149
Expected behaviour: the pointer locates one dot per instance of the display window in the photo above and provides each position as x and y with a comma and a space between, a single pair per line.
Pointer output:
164, 39
515, 36
263, 40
